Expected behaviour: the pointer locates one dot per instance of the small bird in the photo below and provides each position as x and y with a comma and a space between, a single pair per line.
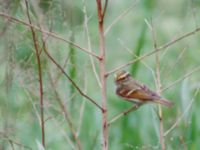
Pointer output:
133, 91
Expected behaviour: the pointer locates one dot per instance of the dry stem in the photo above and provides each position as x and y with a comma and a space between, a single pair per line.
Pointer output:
102, 73
124, 113
64, 109
35, 42
182, 78
89, 42
183, 114
119, 17
155, 51
158, 86
54, 35
72, 82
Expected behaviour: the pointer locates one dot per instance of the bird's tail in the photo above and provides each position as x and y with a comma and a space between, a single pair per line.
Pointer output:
164, 102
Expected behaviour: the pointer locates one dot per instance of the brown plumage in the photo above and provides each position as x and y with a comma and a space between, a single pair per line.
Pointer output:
133, 91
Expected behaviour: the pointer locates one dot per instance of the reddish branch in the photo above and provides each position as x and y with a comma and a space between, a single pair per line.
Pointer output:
101, 14
105, 8
35, 42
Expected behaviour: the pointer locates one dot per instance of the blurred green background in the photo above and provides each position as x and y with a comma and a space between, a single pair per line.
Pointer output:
128, 38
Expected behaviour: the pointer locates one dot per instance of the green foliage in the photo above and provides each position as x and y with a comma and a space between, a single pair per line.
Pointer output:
137, 50
45, 5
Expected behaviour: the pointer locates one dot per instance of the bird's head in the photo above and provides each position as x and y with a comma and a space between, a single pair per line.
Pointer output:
121, 76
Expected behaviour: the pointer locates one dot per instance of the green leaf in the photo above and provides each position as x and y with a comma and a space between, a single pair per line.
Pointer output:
138, 48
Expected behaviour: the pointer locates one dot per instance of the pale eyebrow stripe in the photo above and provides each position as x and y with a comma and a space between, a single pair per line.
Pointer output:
124, 75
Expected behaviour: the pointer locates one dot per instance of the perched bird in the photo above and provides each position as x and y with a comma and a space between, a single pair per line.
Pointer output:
133, 91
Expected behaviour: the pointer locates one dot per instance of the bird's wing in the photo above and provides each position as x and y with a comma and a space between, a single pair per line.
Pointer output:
142, 92
139, 94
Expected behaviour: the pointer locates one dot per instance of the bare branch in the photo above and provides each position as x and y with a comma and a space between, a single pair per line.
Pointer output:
82, 108
35, 42
64, 110
119, 17
89, 42
182, 78
124, 113
11, 18
145, 64
102, 62
72, 82
105, 8
155, 51
167, 74
179, 38
158, 85
16, 143
183, 114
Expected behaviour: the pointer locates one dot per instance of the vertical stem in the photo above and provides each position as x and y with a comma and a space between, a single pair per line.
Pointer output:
102, 75
158, 87
35, 42
89, 42
160, 115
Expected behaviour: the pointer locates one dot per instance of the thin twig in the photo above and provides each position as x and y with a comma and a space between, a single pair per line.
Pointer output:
35, 42
155, 51
124, 113
105, 8
29, 94
167, 74
64, 110
160, 113
179, 38
89, 42
54, 35
145, 64
72, 82
37, 114
16, 143
119, 17
181, 78
94, 140
57, 126
158, 84
102, 62
59, 74
183, 114
82, 108
131, 62
62, 106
